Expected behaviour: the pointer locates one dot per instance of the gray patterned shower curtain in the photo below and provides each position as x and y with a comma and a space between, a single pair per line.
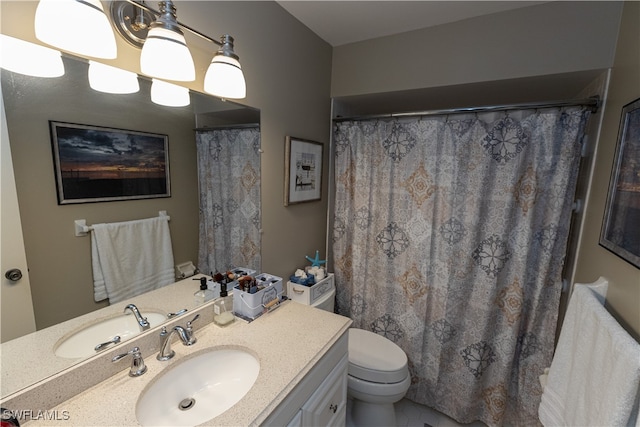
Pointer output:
449, 239
229, 185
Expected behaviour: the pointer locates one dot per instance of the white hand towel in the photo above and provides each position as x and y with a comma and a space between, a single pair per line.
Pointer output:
130, 258
594, 377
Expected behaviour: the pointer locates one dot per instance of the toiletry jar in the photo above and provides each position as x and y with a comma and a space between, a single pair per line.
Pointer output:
309, 294
252, 305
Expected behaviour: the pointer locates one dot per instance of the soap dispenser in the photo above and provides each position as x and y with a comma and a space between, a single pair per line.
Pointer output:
204, 294
223, 308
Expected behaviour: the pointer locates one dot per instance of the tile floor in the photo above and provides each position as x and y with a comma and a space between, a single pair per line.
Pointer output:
409, 414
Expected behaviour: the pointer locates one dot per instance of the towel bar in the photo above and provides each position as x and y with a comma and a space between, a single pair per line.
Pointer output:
82, 229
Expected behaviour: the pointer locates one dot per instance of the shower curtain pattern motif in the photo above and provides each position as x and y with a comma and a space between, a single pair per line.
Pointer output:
229, 180
449, 238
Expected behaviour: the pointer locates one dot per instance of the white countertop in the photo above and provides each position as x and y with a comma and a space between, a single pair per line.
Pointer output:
30, 358
288, 342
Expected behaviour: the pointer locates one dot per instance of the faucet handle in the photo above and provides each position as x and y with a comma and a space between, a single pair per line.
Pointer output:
137, 363
189, 332
177, 313
196, 317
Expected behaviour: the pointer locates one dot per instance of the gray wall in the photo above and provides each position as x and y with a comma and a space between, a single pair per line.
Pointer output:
289, 77
551, 38
593, 260
287, 69
556, 46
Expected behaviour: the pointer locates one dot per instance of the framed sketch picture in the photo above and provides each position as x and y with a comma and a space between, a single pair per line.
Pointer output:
99, 164
303, 171
621, 225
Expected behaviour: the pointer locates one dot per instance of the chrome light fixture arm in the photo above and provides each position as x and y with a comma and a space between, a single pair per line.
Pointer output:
157, 13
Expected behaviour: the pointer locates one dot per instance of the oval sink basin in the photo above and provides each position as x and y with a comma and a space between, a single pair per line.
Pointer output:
198, 389
83, 342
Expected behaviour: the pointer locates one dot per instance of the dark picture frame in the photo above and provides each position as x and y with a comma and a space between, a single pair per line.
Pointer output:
620, 231
303, 170
101, 164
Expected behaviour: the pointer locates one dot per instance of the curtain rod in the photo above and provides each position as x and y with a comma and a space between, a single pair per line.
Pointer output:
222, 127
593, 102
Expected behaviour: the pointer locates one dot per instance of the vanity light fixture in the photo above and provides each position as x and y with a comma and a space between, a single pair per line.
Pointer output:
168, 94
224, 76
164, 49
57, 23
165, 54
30, 59
108, 79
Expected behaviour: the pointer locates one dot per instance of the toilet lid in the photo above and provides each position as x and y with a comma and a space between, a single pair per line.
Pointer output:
374, 358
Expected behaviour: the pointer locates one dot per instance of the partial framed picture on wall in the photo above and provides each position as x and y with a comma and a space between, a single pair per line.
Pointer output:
303, 171
100, 164
621, 225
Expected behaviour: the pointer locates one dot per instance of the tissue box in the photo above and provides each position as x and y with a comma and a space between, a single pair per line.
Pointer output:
252, 305
309, 294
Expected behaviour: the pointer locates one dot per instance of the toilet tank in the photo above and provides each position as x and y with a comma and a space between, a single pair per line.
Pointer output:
327, 301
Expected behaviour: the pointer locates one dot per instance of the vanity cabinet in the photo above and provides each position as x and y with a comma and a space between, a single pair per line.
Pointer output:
320, 399
327, 405
302, 380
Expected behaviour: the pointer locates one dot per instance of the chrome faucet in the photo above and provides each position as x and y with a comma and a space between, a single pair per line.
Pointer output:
185, 334
137, 363
142, 321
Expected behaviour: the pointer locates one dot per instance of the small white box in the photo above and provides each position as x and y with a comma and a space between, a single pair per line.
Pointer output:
310, 294
252, 305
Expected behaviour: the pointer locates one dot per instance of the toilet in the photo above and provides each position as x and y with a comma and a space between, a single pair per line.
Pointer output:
378, 374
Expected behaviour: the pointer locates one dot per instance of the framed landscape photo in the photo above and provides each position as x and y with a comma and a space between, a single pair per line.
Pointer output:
303, 171
621, 225
100, 164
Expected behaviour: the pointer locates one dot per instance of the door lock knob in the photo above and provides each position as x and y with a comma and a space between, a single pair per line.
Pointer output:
14, 274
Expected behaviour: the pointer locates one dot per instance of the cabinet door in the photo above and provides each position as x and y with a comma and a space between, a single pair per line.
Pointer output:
326, 406
296, 421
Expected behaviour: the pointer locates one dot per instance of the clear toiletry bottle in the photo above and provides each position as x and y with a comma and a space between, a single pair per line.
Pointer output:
223, 308
204, 294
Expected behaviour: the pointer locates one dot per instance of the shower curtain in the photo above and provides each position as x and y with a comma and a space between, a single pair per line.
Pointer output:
449, 239
229, 185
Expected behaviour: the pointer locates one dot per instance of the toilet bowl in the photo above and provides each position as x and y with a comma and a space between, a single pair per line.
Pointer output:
378, 374
378, 378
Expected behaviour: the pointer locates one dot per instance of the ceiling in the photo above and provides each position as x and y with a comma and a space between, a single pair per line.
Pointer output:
341, 22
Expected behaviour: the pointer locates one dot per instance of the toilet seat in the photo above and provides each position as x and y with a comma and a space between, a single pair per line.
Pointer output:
377, 392
376, 359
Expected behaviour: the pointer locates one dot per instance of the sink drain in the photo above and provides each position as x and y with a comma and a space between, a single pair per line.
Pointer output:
186, 404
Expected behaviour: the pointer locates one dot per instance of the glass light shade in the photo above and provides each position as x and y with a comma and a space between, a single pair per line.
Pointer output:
31, 59
168, 94
105, 78
78, 26
224, 78
165, 55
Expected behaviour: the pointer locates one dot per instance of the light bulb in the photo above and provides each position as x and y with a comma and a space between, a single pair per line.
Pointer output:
168, 94
105, 78
30, 59
58, 22
225, 79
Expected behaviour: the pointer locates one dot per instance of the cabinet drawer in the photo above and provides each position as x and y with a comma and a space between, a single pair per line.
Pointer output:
327, 404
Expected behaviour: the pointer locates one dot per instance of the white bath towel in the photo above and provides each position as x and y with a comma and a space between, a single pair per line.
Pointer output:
594, 378
130, 258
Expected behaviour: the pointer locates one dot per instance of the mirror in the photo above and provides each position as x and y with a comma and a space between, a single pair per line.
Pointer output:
59, 262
